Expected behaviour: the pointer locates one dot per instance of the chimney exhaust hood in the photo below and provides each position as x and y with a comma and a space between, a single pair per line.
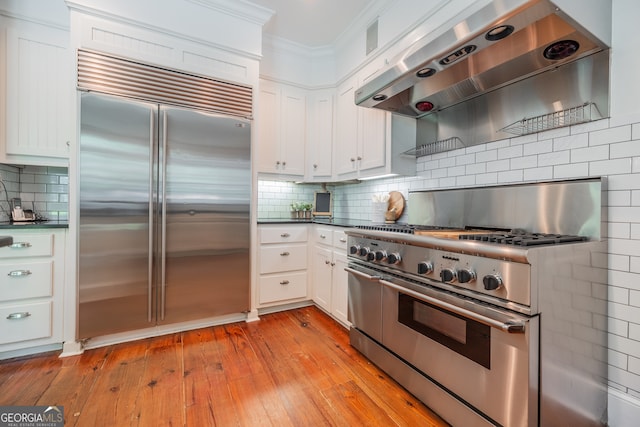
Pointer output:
510, 60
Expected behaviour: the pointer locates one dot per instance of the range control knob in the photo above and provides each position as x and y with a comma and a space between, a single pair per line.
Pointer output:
371, 256
381, 255
394, 258
448, 275
425, 267
354, 249
363, 251
466, 275
492, 282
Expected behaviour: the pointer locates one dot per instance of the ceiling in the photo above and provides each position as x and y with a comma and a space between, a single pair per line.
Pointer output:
311, 23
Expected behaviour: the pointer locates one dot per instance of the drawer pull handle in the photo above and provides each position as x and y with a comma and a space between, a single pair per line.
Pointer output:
15, 316
343, 240
284, 254
285, 235
284, 282
20, 245
19, 273
322, 236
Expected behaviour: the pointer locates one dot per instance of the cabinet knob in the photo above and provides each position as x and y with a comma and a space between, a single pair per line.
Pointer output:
284, 254
353, 160
315, 166
284, 164
277, 162
333, 264
327, 262
359, 157
322, 236
284, 282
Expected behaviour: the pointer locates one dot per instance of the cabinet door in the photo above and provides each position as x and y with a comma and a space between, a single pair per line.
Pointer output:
322, 277
372, 126
39, 92
320, 135
267, 128
340, 289
293, 116
345, 151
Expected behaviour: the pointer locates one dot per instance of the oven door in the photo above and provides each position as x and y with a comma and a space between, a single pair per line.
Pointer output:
486, 356
365, 301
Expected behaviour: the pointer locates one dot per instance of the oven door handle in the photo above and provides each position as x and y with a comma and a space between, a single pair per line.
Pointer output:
511, 326
361, 274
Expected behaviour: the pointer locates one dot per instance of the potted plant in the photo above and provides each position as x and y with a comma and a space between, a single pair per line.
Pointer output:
295, 210
307, 207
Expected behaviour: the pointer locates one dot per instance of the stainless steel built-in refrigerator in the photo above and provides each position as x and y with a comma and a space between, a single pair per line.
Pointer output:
164, 215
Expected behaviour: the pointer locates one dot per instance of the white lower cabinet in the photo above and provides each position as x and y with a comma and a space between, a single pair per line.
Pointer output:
329, 277
282, 264
31, 290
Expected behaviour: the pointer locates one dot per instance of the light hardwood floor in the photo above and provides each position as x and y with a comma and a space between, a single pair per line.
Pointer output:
293, 368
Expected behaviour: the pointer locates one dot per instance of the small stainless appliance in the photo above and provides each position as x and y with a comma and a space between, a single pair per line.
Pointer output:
500, 325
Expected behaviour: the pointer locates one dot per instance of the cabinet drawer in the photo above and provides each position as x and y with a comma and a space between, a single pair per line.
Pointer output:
283, 287
340, 240
277, 258
26, 280
323, 235
28, 245
25, 322
283, 234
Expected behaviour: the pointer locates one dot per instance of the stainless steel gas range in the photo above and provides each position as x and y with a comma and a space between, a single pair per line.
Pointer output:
490, 323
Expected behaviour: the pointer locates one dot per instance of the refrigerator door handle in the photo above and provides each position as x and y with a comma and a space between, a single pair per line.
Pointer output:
163, 254
152, 136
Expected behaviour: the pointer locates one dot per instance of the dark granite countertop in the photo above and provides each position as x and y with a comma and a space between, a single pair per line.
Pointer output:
5, 241
338, 222
33, 225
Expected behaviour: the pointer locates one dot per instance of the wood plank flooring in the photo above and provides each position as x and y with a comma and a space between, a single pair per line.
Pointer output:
293, 368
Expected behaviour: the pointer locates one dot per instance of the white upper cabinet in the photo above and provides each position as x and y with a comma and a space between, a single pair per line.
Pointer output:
320, 135
39, 94
369, 142
281, 129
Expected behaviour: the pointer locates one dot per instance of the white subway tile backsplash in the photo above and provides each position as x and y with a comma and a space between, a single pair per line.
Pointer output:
524, 139
456, 171
465, 181
555, 133
610, 135
600, 152
510, 176
625, 149
544, 146
618, 262
555, 158
619, 198
510, 152
487, 156
618, 295
487, 179
624, 214
610, 167
466, 159
619, 230
634, 264
475, 168
524, 162
498, 165
570, 171
538, 174
570, 142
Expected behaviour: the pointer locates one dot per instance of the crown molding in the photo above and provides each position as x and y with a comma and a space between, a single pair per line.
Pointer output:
238, 8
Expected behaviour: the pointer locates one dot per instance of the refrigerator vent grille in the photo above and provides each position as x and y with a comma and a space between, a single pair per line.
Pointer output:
116, 76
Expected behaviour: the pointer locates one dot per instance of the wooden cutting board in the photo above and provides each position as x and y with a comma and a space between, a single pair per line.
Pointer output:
395, 206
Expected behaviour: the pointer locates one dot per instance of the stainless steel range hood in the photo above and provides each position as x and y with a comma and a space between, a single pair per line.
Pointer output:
509, 62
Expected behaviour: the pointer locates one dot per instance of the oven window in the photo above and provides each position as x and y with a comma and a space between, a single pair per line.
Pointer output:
466, 337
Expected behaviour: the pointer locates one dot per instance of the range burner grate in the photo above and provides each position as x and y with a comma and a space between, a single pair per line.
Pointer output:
523, 239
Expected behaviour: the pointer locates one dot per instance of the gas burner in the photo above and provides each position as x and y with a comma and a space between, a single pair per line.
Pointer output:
399, 228
523, 239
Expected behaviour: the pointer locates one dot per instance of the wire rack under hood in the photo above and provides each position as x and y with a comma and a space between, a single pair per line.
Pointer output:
441, 146
571, 116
